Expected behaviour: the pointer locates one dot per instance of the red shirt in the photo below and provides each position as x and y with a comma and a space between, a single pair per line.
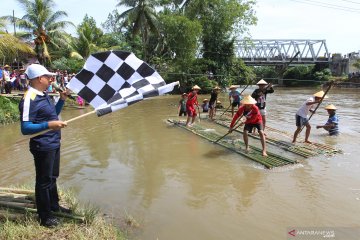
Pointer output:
192, 99
252, 117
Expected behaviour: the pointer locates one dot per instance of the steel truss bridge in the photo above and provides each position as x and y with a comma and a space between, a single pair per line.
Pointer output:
259, 52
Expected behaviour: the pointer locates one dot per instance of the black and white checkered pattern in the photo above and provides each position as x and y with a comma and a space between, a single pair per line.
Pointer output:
117, 78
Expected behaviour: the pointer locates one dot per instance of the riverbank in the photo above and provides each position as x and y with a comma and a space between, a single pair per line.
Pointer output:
9, 110
86, 223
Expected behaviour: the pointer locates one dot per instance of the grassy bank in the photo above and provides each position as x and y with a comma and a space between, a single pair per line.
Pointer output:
9, 112
24, 225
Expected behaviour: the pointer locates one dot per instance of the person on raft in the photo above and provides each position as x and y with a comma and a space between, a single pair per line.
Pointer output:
212, 102
260, 96
182, 105
190, 105
332, 124
302, 115
251, 112
205, 105
236, 98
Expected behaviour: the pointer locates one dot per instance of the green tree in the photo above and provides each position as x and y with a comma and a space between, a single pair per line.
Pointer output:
181, 36
43, 25
222, 22
89, 38
140, 18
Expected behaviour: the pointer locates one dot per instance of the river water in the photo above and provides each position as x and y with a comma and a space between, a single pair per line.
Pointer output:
179, 186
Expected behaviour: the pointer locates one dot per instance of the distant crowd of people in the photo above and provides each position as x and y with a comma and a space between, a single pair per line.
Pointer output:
15, 79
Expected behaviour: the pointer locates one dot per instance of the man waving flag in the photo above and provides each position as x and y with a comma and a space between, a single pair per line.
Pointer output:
113, 80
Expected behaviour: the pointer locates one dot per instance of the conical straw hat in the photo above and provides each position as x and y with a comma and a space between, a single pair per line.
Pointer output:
232, 87
248, 100
330, 107
262, 81
216, 88
196, 87
320, 94
205, 100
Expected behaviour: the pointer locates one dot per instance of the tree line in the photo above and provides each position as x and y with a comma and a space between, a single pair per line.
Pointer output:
191, 41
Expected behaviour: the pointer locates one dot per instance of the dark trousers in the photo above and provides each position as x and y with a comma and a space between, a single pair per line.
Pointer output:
8, 87
47, 164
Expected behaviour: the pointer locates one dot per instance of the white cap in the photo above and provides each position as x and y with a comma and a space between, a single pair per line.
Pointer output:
37, 70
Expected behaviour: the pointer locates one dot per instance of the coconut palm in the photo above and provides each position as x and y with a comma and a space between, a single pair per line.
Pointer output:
140, 18
43, 25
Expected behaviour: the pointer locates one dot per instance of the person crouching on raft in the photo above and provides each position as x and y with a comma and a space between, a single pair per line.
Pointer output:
332, 125
251, 112
190, 105
302, 115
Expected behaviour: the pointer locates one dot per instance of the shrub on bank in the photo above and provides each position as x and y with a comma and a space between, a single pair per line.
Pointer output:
9, 111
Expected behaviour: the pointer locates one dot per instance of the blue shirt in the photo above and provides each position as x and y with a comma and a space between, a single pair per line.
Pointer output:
334, 119
36, 110
235, 96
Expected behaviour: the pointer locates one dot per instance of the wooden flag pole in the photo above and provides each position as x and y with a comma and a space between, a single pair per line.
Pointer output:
27, 137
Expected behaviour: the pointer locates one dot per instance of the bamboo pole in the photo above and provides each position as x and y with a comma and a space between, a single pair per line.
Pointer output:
12, 199
33, 210
16, 190
17, 204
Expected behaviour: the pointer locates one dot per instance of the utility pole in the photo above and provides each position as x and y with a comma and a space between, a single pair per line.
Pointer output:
14, 23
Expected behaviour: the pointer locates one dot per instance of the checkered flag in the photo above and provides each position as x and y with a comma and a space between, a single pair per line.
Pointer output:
113, 80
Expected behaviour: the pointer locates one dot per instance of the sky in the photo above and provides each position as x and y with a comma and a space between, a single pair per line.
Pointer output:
277, 19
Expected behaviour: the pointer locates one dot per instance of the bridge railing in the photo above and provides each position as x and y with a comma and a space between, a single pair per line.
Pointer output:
277, 51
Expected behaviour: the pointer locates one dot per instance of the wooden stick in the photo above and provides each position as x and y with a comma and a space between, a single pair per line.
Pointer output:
232, 129
33, 210
27, 137
17, 204
16, 190
199, 113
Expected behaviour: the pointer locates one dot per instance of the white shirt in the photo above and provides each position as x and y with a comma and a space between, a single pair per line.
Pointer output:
305, 109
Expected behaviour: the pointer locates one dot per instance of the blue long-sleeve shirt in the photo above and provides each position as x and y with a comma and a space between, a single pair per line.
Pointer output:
36, 110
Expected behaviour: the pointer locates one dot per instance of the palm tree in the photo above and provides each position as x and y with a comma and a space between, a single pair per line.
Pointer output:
10, 46
43, 25
141, 17
88, 40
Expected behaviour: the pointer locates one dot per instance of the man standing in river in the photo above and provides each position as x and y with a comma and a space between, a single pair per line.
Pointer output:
260, 97
38, 113
302, 115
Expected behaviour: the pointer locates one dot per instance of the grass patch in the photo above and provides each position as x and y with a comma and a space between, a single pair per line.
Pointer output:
20, 225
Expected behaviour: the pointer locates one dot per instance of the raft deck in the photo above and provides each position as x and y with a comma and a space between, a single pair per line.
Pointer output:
300, 148
255, 153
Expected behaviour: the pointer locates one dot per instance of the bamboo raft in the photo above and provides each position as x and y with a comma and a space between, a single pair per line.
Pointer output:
300, 148
255, 154
17, 203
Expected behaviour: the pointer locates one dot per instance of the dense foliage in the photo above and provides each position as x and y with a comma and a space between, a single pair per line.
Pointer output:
190, 41
9, 112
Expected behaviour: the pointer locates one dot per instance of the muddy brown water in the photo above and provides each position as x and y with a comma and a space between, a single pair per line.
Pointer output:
179, 186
